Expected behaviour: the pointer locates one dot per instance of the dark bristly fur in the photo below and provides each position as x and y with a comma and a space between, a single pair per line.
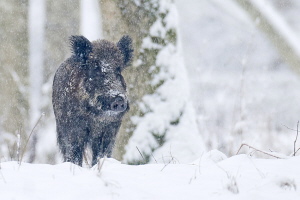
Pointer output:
89, 97
80, 46
125, 45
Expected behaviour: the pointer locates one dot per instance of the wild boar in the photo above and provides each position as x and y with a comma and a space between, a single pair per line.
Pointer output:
89, 97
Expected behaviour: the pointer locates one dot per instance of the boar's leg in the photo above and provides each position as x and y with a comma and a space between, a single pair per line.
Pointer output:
72, 141
104, 143
74, 153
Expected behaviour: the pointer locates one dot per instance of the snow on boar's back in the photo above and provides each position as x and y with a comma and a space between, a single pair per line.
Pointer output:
89, 97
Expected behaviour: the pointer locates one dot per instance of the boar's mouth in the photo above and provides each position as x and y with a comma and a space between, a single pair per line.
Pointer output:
108, 116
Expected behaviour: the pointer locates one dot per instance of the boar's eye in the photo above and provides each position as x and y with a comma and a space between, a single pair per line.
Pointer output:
91, 56
99, 102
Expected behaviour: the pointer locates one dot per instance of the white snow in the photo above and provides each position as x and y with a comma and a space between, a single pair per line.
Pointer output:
212, 176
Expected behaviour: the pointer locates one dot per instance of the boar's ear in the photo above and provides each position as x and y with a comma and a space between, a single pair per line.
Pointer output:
80, 46
125, 45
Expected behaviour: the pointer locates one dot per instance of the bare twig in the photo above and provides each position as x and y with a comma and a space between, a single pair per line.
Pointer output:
264, 152
173, 159
29, 137
141, 154
259, 171
297, 150
288, 127
167, 164
297, 133
232, 184
153, 157
239, 149
296, 138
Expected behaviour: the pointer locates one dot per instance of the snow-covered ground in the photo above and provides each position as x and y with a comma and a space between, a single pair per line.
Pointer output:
212, 176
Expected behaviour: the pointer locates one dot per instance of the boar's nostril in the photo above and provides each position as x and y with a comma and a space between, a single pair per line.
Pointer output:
118, 105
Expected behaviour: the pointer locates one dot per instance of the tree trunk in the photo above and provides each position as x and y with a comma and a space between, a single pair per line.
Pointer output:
14, 70
276, 29
36, 21
62, 21
151, 26
120, 18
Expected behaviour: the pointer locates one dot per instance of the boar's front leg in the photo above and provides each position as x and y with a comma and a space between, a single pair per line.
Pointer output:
72, 139
103, 141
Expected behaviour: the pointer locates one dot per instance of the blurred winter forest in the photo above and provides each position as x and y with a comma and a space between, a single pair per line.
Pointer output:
207, 74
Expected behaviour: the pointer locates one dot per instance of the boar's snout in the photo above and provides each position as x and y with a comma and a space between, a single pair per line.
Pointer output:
118, 104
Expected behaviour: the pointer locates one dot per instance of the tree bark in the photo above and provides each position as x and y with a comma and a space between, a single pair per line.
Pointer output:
14, 68
62, 21
157, 70
277, 31
120, 18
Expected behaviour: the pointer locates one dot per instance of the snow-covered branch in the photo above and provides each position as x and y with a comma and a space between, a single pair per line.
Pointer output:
276, 28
